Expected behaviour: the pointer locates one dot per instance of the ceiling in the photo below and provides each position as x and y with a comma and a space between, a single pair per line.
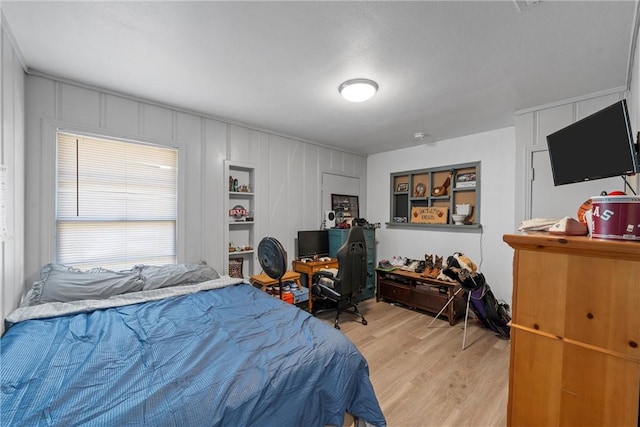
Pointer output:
444, 68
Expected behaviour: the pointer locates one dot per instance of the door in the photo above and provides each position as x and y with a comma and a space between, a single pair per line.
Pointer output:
339, 184
549, 201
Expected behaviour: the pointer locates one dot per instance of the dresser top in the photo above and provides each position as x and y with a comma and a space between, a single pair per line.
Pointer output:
578, 245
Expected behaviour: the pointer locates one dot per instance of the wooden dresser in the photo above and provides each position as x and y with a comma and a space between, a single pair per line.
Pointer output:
575, 333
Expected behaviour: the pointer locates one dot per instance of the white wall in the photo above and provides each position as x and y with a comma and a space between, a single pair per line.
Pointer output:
288, 171
534, 124
496, 151
11, 156
538, 197
633, 100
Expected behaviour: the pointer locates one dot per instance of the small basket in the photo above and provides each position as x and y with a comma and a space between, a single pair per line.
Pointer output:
235, 267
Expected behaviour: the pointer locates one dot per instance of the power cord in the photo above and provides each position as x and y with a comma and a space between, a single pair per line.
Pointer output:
481, 256
626, 184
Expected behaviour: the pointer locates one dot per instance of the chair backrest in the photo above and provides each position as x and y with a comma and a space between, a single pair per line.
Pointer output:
352, 263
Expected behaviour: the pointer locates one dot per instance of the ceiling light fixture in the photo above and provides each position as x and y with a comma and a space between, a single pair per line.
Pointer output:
358, 90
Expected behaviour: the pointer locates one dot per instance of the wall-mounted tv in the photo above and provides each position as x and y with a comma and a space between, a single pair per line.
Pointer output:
598, 146
313, 242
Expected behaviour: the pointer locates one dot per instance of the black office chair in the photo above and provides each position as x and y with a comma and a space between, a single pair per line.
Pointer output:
343, 288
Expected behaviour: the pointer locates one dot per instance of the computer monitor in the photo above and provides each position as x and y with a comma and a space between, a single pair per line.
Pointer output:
313, 242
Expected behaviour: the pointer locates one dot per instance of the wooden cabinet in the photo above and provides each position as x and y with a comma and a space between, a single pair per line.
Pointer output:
575, 331
415, 291
239, 226
338, 236
431, 195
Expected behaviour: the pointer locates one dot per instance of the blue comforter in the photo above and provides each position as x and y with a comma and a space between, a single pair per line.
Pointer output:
233, 356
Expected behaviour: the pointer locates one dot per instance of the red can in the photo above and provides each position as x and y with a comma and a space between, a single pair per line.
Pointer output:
616, 217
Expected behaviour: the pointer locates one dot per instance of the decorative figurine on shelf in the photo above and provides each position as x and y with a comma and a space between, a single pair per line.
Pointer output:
235, 184
441, 190
238, 212
230, 183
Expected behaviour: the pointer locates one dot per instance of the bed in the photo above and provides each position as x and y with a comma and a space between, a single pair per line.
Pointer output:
215, 352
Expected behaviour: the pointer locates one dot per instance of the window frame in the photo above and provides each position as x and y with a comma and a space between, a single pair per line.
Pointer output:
44, 200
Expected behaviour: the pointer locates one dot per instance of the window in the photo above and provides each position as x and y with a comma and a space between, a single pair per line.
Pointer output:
116, 203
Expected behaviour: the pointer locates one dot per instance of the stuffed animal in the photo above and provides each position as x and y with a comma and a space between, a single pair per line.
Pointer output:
455, 263
445, 265
465, 262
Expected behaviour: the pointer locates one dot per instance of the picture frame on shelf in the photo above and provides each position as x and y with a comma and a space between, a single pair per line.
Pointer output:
235, 267
402, 187
345, 205
466, 180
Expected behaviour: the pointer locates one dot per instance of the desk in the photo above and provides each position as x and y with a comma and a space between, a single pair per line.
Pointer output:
410, 288
309, 268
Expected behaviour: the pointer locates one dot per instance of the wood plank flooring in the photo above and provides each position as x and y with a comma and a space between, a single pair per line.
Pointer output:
421, 375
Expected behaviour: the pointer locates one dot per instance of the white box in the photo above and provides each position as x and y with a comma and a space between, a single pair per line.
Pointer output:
466, 184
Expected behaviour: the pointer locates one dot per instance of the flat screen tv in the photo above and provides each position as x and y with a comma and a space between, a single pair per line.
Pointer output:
313, 242
598, 146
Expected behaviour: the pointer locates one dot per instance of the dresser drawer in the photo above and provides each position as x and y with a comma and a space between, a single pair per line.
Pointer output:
582, 298
427, 299
394, 292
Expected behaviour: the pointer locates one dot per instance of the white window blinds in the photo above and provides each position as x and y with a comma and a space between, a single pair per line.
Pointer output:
116, 203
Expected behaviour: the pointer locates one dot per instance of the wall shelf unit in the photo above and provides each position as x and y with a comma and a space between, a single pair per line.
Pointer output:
239, 229
427, 198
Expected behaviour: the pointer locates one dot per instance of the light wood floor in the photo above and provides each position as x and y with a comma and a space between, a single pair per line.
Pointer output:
421, 375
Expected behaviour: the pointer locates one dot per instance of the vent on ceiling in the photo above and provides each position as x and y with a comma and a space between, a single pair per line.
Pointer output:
523, 5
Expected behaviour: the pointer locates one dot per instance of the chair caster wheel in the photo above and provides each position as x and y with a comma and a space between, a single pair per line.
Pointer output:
364, 322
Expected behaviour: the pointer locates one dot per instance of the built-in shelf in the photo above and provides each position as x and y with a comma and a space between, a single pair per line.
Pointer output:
239, 233
427, 198
241, 252
466, 228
